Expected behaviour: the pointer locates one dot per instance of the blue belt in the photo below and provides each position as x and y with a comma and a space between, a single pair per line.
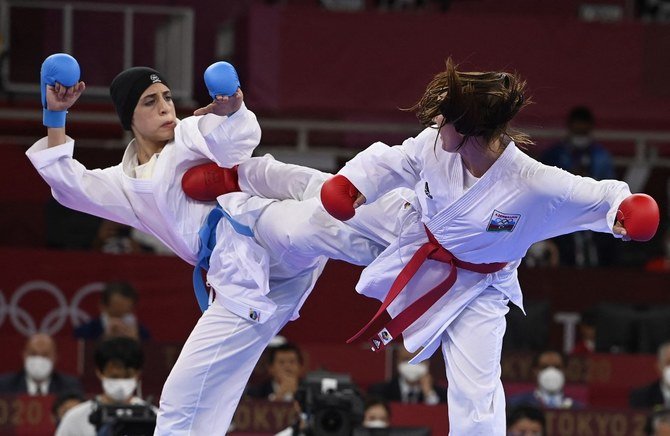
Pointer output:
207, 236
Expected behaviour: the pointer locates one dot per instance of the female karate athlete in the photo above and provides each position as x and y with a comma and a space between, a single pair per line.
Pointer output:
258, 279
481, 203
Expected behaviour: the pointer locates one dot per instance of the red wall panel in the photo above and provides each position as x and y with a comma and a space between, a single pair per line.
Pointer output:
310, 61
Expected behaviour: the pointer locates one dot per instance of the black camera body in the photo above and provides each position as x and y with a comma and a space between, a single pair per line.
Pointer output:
122, 419
332, 404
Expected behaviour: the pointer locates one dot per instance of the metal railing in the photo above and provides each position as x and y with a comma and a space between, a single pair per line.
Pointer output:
647, 144
173, 50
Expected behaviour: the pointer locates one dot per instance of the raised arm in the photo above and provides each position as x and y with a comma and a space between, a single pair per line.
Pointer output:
224, 131
97, 192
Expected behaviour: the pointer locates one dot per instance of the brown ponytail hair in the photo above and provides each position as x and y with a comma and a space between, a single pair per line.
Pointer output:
478, 104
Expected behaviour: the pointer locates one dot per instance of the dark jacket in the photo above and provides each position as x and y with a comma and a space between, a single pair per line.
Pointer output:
15, 383
390, 391
647, 397
261, 391
93, 330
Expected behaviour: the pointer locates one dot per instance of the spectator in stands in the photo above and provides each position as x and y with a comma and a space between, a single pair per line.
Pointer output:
412, 384
150, 243
377, 413
118, 363
548, 368
65, 402
657, 394
285, 366
115, 238
525, 421
543, 254
580, 154
117, 315
38, 376
587, 334
658, 423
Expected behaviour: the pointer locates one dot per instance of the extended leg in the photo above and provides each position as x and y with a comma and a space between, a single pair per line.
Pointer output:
204, 387
269, 178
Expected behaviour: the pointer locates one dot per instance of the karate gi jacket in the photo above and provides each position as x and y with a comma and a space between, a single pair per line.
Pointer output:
516, 203
239, 267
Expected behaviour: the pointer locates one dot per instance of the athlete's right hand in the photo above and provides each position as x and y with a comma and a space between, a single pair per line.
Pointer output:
60, 98
61, 70
340, 197
223, 105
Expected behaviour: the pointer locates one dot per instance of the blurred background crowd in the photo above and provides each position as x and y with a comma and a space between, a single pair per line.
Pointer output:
94, 313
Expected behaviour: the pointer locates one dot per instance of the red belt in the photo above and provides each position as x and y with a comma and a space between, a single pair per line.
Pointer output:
430, 250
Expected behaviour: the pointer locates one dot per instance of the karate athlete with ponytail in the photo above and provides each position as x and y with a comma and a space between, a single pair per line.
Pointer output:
482, 202
259, 280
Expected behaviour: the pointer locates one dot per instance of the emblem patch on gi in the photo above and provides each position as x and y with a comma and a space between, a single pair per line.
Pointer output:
254, 315
502, 222
426, 189
385, 336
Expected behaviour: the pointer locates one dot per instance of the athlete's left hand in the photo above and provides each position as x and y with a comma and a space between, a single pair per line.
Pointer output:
620, 231
223, 105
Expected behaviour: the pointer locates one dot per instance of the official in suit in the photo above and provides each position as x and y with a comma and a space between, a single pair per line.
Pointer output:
38, 376
656, 394
412, 385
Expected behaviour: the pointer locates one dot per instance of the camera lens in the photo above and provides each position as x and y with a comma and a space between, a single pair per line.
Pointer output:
330, 422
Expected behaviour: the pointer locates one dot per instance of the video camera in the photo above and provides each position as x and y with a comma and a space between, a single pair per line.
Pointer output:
123, 420
332, 404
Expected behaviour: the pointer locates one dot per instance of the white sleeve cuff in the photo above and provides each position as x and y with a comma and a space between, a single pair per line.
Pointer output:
41, 155
210, 122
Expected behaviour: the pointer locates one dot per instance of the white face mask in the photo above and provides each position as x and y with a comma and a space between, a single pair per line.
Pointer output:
551, 380
119, 389
375, 423
580, 141
412, 373
666, 375
38, 368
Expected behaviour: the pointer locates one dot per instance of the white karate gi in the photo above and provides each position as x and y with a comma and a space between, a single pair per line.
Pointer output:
265, 276
517, 202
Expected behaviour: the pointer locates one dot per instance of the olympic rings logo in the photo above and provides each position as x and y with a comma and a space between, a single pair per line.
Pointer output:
55, 319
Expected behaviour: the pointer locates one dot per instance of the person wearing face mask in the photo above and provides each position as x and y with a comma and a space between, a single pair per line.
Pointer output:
38, 376
412, 385
580, 154
656, 394
118, 363
117, 315
548, 369
377, 413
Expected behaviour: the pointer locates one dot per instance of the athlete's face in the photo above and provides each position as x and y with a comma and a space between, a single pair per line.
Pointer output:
154, 118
